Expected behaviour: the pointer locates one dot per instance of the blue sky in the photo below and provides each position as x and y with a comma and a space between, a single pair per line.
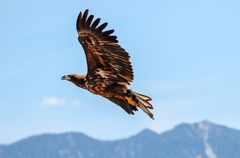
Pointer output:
185, 55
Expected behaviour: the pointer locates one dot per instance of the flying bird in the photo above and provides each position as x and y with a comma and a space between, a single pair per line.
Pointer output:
109, 67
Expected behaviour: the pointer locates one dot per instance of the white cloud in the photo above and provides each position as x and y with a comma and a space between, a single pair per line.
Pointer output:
52, 101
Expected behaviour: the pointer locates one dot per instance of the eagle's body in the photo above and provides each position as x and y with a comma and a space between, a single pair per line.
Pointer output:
109, 68
100, 85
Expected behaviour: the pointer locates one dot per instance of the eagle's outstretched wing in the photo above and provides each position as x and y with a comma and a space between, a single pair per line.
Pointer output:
102, 50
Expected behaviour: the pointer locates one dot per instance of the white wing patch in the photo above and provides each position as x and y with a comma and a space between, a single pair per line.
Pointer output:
102, 73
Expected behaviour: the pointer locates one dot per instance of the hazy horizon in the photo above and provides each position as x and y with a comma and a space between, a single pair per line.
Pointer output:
120, 138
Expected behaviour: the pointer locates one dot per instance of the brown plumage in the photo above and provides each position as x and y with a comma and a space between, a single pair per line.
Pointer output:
109, 67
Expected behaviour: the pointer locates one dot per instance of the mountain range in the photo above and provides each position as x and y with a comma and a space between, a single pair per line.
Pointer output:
198, 140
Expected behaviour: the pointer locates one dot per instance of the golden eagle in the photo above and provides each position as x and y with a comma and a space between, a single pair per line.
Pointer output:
109, 68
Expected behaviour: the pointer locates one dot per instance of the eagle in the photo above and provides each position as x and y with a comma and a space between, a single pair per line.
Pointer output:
109, 68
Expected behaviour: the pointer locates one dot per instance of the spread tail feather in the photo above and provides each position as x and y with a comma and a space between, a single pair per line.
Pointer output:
141, 96
144, 104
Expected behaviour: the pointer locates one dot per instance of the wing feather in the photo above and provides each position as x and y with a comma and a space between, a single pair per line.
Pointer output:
95, 23
83, 20
89, 20
101, 27
107, 33
102, 49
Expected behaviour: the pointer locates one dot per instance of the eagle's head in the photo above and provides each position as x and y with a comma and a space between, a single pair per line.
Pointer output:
78, 80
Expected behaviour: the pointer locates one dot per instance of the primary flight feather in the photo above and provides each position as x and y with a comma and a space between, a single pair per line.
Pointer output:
109, 68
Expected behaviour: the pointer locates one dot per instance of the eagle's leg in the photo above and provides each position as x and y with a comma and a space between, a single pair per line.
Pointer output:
131, 99
139, 100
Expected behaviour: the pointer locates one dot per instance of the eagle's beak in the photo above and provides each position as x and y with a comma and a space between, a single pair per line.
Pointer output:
64, 77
